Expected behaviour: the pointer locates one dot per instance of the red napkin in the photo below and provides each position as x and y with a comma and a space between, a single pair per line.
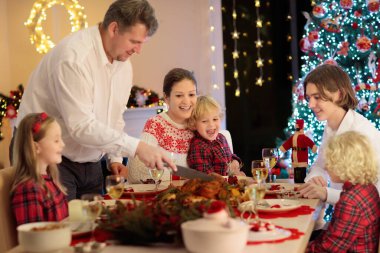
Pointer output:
302, 210
295, 234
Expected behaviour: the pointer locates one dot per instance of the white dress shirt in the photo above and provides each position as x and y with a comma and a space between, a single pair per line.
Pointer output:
352, 121
77, 85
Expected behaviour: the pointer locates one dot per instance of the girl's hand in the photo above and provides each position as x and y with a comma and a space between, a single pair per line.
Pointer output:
318, 181
313, 191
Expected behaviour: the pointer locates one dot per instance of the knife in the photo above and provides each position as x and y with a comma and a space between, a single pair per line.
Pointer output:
190, 173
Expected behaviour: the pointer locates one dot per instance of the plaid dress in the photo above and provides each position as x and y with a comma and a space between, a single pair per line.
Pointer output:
31, 202
210, 156
355, 223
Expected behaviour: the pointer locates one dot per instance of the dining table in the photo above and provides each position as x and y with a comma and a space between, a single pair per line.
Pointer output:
301, 226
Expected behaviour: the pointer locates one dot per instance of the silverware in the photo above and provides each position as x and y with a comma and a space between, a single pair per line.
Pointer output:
191, 173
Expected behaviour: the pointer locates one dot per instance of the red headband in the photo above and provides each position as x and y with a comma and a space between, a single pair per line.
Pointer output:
40, 119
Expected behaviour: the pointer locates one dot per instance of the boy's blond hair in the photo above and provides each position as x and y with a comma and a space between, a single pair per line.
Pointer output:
205, 104
350, 157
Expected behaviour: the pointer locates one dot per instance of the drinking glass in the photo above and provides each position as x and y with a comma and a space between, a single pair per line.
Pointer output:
270, 157
173, 157
256, 192
156, 175
115, 185
92, 208
259, 171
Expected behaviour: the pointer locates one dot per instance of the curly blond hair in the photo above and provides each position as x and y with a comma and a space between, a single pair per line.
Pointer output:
205, 104
350, 157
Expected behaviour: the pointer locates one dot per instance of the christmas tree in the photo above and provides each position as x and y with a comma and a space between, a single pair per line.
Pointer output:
345, 33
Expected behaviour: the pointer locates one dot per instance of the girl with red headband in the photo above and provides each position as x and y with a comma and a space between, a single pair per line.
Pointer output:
37, 194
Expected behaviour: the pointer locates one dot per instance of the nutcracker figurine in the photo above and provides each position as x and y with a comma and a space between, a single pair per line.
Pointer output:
299, 143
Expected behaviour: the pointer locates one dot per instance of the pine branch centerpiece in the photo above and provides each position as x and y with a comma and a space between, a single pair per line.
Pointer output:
159, 220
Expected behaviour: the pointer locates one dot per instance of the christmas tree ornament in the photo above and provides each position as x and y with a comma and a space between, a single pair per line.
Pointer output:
313, 36
373, 5
346, 4
343, 48
319, 11
363, 44
305, 45
300, 144
331, 25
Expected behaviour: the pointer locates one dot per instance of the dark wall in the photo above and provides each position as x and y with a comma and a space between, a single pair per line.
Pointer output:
258, 117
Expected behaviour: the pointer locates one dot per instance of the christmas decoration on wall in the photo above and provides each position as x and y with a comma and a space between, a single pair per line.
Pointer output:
141, 97
38, 14
9, 105
345, 33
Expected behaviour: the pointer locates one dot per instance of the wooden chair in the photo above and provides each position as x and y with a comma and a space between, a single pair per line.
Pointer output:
8, 234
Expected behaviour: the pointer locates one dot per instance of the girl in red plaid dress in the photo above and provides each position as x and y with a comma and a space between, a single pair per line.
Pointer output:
355, 223
37, 194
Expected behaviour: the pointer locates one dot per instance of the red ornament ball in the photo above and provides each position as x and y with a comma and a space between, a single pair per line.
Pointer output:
346, 4
313, 36
319, 11
363, 44
373, 5
305, 45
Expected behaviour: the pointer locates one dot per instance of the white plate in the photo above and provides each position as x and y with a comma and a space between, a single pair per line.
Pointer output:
111, 202
285, 205
144, 189
275, 234
80, 228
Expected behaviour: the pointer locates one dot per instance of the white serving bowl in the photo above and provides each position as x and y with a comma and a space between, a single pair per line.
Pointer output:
46, 240
219, 236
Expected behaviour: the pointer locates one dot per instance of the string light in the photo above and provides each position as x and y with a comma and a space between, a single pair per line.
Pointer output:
38, 14
235, 53
214, 79
259, 45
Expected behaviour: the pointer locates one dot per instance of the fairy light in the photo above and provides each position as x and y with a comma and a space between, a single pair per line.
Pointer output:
37, 15
259, 44
235, 53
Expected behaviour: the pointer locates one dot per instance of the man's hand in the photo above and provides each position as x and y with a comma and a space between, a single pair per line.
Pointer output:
153, 157
318, 181
313, 191
119, 169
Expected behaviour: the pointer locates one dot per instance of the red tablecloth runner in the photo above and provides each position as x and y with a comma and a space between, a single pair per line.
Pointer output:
302, 210
295, 234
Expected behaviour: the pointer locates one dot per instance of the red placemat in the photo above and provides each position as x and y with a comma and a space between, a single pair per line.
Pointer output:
302, 210
294, 235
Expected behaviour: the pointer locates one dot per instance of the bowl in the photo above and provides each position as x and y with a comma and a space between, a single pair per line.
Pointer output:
208, 235
44, 236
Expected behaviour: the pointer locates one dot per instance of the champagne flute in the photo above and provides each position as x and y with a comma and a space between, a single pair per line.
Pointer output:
115, 185
259, 171
270, 157
92, 208
156, 175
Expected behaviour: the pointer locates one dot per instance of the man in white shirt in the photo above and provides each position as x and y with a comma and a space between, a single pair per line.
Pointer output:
84, 83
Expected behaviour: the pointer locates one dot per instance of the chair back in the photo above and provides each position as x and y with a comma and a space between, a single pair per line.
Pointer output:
8, 234
227, 134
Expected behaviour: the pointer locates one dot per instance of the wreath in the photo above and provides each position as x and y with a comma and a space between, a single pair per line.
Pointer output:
38, 14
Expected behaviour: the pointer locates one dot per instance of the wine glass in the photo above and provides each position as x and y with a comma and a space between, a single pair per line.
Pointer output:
259, 171
115, 185
270, 157
156, 175
256, 192
173, 157
92, 208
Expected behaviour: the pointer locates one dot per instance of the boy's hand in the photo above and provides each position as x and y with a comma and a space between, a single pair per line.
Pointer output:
318, 181
313, 191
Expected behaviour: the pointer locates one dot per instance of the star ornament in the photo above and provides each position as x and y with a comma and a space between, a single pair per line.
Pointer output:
259, 81
235, 35
259, 43
235, 54
260, 62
